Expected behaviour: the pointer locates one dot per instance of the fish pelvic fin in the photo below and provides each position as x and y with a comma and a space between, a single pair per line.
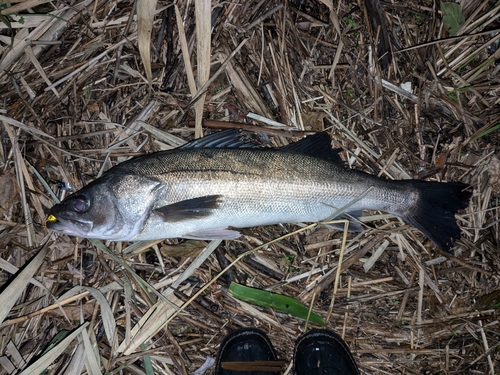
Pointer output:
195, 208
434, 212
213, 234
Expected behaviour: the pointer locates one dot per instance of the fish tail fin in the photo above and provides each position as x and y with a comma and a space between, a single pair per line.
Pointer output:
434, 211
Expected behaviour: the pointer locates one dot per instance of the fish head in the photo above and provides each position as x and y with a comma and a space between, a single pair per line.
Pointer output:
111, 209
89, 213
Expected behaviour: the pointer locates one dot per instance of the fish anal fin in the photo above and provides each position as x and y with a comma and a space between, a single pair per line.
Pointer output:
189, 209
352, 217
213, 234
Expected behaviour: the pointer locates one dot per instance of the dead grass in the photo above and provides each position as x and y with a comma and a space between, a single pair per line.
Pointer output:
76, 99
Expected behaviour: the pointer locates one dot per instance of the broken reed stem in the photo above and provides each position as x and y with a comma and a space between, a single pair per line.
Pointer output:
20, 179
44, 310
203, 42
339, 268
349, 281
420, 302
486, 347
185, 51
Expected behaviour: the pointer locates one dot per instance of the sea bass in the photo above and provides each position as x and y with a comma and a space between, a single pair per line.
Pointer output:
212, 185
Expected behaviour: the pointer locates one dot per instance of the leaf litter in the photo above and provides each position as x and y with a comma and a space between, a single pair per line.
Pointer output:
77, 98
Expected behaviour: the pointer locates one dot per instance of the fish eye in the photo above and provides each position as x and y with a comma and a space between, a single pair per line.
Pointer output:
80, 204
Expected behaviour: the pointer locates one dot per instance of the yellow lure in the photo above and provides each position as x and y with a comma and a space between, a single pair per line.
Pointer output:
51, 219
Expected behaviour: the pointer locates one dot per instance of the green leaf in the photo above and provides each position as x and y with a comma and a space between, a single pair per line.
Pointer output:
453, 17
61, 335
40, 364
13, 289
276, 301
5, 20
148, 366
486, 132
488, 301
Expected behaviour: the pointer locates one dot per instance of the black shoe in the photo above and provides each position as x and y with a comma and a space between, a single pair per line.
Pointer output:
246, 345
323, 352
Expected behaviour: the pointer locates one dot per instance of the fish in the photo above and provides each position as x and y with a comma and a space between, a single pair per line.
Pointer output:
212, 186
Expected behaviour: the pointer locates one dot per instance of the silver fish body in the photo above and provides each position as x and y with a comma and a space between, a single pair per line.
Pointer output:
202, 192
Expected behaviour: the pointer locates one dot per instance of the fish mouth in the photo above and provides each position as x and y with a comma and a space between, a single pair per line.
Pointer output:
68, 226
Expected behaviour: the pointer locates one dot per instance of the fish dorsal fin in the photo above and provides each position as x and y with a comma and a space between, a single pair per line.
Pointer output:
230, 138
318, 145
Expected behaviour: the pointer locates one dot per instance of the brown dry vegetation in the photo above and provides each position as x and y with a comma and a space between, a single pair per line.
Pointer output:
75, 100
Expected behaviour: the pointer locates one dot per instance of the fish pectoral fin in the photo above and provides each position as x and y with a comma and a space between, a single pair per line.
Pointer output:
352, 217
189, 209
213, 234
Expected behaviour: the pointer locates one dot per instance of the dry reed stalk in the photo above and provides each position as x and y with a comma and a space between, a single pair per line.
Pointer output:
203, 52
76, 101
145, 18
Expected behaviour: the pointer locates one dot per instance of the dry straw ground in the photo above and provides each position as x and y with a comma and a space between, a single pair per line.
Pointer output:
77, 99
